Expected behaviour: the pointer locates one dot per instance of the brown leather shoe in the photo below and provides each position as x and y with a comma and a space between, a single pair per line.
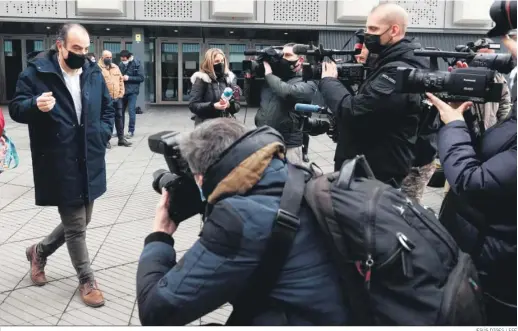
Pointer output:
37, 266
91, 295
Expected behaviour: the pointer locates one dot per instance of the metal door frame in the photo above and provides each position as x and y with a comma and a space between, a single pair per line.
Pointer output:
158, 69
23, 38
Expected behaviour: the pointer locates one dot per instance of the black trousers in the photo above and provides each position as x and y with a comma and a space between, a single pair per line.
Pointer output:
119, 118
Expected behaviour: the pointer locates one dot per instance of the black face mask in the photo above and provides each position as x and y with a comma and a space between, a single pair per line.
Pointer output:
219, 69
286, 68
373, 42
107, 62
75, 61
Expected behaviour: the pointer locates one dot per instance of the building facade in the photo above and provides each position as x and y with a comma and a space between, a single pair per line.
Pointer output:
170, 36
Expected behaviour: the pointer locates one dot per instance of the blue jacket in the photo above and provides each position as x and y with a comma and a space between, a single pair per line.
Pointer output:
67, 156
135, 74
216, 268
482, 177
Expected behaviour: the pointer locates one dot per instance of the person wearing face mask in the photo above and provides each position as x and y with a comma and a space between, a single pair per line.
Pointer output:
91, 57
63, 98
283, 89
133, 75
208, 85
377, 122
479, 211
242, 175
115, 83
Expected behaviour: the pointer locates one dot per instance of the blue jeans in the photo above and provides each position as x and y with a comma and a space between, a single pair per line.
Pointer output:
130, 101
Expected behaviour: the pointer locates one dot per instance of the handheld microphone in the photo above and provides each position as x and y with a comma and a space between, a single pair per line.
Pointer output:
303, 107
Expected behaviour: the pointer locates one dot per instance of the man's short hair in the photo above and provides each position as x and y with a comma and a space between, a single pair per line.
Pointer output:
203, 146
65, 29
125, 53
394, 14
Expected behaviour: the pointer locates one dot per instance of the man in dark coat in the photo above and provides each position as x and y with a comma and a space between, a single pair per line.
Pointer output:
65, 101
133, 75
378, 122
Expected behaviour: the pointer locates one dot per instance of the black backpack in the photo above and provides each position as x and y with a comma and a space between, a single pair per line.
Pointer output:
399, 265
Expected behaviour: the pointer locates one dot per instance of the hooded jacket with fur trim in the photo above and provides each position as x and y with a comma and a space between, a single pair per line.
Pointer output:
205, 91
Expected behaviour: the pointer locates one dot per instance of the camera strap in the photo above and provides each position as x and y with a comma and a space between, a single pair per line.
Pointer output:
255, 298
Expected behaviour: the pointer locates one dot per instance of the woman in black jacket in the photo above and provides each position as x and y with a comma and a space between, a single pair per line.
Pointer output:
208, 85
480, 209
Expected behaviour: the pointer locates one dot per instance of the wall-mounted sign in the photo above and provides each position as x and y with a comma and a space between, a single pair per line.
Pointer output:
138, 37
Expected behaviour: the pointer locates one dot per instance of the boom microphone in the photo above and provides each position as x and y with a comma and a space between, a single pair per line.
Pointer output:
300, 49
305, 108
250, 52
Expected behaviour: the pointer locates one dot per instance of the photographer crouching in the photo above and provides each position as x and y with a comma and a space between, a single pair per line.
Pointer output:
243, 177
283, 89
378, 122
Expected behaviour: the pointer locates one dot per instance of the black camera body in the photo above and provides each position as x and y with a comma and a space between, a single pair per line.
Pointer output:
255, 68
461, 84
348, 73
317, 126
184, 195
476, 83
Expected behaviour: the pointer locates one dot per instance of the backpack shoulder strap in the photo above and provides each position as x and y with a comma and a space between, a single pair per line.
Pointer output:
256, 295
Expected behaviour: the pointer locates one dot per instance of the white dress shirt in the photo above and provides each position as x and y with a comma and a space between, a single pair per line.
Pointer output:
73, 83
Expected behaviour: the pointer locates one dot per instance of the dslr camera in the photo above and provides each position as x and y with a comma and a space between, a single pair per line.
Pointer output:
317, 126
476, 83
184, 195
255, 68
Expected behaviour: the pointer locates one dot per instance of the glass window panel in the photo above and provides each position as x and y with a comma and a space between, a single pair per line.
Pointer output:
129, 46
220, 46
169, 68
191, 64
115, 48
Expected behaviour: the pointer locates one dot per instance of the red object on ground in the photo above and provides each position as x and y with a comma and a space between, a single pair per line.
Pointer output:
2, 122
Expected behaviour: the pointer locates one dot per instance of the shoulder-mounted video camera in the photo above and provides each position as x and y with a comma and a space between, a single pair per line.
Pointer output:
255, 68
476, 83
350, 72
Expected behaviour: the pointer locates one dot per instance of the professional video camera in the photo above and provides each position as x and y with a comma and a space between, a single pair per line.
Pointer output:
184, 195
255, 68
314, 126
350, 73
476, 83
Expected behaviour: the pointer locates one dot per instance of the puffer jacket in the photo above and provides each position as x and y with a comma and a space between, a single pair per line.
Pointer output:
480, 209
113, 79
216, 269
490, 113
206, 91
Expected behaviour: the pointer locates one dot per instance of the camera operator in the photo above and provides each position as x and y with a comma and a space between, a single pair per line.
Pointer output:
283, 89
490, 113
377, 122
480, 209
242, 175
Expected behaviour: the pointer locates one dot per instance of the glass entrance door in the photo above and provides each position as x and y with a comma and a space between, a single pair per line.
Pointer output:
114, 45
15, 53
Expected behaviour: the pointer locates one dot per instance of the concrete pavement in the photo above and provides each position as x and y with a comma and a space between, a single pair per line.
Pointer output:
121, 219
